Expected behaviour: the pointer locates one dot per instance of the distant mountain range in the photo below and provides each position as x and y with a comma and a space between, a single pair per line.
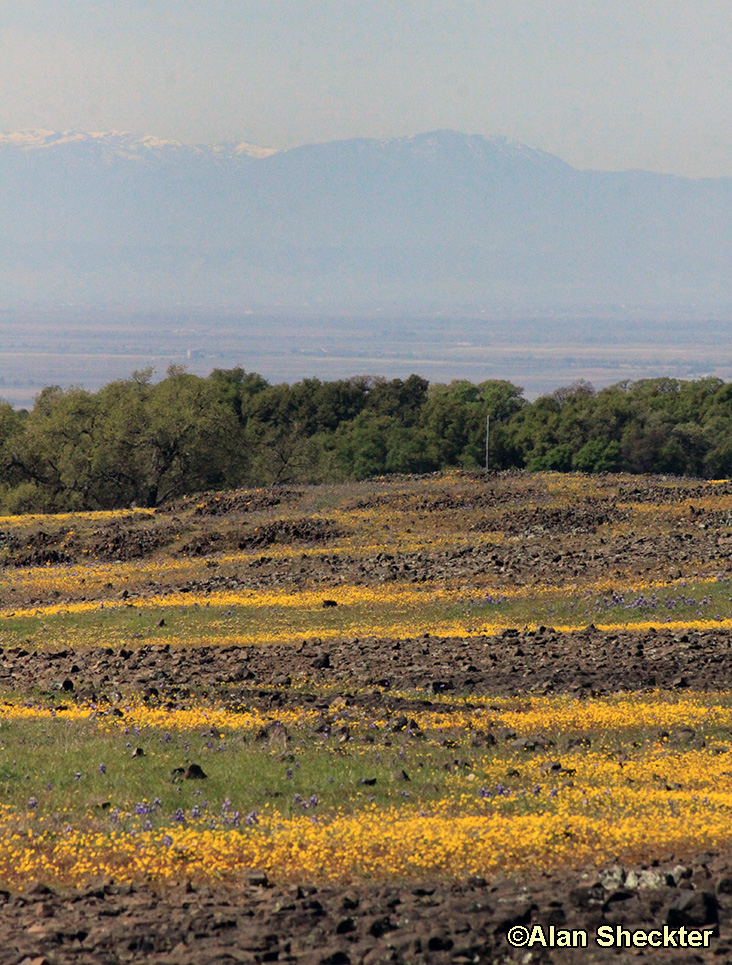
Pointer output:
121, 144
438, 221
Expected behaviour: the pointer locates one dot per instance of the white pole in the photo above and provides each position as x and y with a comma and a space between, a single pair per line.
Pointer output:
487, 439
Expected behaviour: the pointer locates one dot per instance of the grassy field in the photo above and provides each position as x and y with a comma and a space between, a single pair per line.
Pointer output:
89, 793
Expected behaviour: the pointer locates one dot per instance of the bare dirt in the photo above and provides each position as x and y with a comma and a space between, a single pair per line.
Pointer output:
545, 661
415, 922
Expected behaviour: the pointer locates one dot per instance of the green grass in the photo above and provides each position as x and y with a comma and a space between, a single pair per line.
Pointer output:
83, 773
684, 601
131, 625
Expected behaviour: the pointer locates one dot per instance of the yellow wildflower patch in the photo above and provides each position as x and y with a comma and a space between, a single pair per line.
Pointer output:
511, 810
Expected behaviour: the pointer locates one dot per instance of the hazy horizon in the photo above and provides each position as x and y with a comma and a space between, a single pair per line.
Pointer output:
72, 347
606, 85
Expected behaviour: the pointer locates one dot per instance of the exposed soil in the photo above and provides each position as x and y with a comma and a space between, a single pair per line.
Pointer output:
588, 662
544, 531
426, 922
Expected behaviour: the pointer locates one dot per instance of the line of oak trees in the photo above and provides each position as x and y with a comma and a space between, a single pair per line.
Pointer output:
140, 442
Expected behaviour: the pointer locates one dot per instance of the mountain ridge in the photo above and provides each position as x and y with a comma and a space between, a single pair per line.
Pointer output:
124, 143
436, 217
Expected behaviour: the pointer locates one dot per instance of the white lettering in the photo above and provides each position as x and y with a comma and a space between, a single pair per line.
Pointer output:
537, 937
605, 938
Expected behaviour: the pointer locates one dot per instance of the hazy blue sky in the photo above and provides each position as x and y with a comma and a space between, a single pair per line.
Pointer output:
602, 83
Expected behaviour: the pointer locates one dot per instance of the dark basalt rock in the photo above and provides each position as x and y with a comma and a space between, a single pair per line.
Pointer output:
194, 772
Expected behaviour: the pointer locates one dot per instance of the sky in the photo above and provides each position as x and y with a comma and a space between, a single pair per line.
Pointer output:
608, 84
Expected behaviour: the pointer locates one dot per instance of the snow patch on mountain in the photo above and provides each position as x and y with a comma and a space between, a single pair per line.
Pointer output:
123, 144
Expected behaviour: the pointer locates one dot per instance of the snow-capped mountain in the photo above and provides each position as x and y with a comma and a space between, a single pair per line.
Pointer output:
121, 144
442, 215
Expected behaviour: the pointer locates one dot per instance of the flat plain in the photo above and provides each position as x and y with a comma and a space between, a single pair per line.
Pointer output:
376, 722
539, 352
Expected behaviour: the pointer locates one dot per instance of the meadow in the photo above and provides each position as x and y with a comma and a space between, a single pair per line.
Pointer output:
91, 795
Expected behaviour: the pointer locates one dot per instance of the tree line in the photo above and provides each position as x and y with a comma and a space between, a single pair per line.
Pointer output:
141, 442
